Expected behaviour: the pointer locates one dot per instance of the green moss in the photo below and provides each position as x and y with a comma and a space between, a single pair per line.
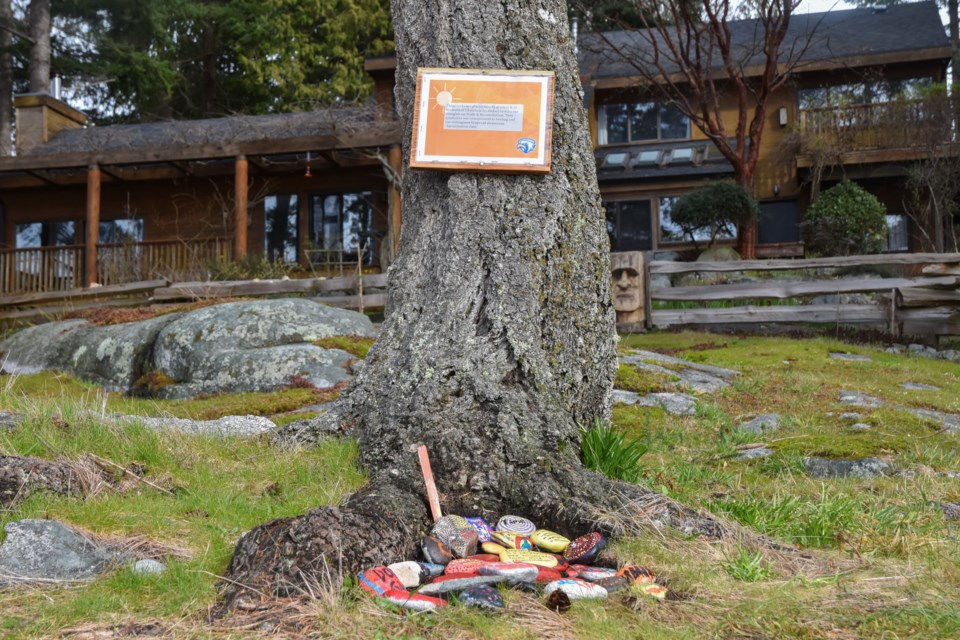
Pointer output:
355, 345
151, 384
642, 382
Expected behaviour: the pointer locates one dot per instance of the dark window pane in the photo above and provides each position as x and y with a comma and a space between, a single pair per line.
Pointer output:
615, 123
669, 230
898, 238
120, 231
634, 230
280, 222
673, 124
643, 122
778, 222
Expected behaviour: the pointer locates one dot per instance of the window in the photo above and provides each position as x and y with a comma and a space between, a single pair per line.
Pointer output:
779, 222
628, 225
670, 231
340, 224
898, 237
869, 92
280, 227
635, 122
121, 231
45, 234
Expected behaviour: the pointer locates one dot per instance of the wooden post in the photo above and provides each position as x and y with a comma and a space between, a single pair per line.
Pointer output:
240, 213
395, 158
92, 224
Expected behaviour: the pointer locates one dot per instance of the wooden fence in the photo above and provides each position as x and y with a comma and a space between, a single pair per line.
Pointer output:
173, 260
921, 299
36, 269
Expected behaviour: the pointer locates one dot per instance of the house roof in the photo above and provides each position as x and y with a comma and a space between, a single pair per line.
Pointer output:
850, 37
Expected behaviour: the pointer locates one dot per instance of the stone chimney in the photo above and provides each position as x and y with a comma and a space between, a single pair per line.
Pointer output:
40, 116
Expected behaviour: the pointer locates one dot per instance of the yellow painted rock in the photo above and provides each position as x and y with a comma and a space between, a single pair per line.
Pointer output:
529, 557
512, 540
549, 541
494, 548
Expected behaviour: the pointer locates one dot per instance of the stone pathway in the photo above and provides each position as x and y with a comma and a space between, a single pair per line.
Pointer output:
685, 375
949, 422
850, 357
228, 426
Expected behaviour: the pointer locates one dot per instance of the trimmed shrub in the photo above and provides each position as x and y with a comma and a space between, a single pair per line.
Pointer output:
714, 208
845, 220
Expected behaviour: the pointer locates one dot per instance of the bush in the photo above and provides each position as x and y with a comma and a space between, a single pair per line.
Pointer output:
604, 449
845, 220
252, 266
716, 207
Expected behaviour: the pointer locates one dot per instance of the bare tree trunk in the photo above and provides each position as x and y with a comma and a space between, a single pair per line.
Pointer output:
499, 339
39, 17
6, 79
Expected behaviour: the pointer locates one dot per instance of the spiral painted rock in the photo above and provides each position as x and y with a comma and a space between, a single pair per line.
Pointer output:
515, 524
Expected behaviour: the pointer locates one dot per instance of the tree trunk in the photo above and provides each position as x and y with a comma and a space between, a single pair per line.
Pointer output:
499, 339
6, 85
40, 47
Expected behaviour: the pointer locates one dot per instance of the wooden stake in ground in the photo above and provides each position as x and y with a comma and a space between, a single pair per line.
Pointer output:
432, 495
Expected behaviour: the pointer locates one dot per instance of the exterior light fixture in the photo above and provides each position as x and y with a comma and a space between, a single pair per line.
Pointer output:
782, 116
307, 174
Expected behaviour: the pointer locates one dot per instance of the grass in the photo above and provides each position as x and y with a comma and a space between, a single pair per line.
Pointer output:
884, 562
604, 449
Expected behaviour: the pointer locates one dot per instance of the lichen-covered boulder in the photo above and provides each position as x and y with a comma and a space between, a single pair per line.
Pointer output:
187, 345
37, 348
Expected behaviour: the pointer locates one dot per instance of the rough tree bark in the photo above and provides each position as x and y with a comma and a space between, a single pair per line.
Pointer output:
499, 339
39, 16
6, 79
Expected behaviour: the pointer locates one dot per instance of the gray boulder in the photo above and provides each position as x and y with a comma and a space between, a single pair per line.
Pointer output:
228, 426
841, 468
755, 453
46, 550
761, 424
37, 348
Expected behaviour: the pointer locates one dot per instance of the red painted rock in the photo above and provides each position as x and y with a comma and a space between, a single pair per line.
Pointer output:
546, 575
513, 571
379, 580
585, 549
485, 557
411, 574
516, 524
459, 565
413, 601
637, 574
435, 551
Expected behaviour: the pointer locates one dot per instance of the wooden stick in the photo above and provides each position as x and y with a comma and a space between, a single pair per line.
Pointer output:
132, 474
432, 495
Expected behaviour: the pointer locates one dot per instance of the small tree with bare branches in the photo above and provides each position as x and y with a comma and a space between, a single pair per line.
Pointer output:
696, 53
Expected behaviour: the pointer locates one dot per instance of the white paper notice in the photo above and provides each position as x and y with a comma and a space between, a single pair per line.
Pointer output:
483, 117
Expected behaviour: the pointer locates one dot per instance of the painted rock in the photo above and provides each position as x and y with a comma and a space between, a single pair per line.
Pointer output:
449, 584
482, 596
379, 580
562, 564
576, 589
493, 548
546, 575
459, 565
512, 540
464, 543
586, 548
485, 557
613, 584
637, 574
411, 574
413, 601
432, 569
515, 524
530, 557
448, 526
512, 571
435, 551
549, 541
593, 574
484, 531
650, 589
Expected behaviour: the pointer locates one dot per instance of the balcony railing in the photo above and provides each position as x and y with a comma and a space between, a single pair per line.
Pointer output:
901, 124
38, 269
175, 260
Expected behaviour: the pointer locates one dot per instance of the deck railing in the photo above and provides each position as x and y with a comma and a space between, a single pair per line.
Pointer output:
174, 260
36, 269
901, 124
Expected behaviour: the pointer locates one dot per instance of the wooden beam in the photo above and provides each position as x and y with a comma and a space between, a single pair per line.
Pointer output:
182, 167
92, 224
395, 159
815, 313
96, 293
114, 172
43, 175
196, 290
772, 289
659, 266
241, 207
375, 136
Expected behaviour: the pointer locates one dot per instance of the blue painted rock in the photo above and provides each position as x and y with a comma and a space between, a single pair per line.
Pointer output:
459, 565
585, 549
613, 584
493, 548
379, 580
637, 574
482, 596
549, 541
449, 584
576, 589
435, 551
515, 524
413, 601
484, 531
411, 574
463, 543
512, 540
593, 574
513, 571
530, 557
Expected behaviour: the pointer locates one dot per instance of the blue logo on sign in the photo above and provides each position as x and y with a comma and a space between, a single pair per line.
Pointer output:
526, 144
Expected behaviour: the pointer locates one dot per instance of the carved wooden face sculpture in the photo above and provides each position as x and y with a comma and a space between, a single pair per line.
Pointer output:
626, 281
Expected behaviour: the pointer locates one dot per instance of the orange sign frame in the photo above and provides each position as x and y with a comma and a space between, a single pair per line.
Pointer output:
483, 120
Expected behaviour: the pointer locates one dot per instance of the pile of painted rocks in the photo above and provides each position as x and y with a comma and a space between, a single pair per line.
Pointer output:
465, 559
